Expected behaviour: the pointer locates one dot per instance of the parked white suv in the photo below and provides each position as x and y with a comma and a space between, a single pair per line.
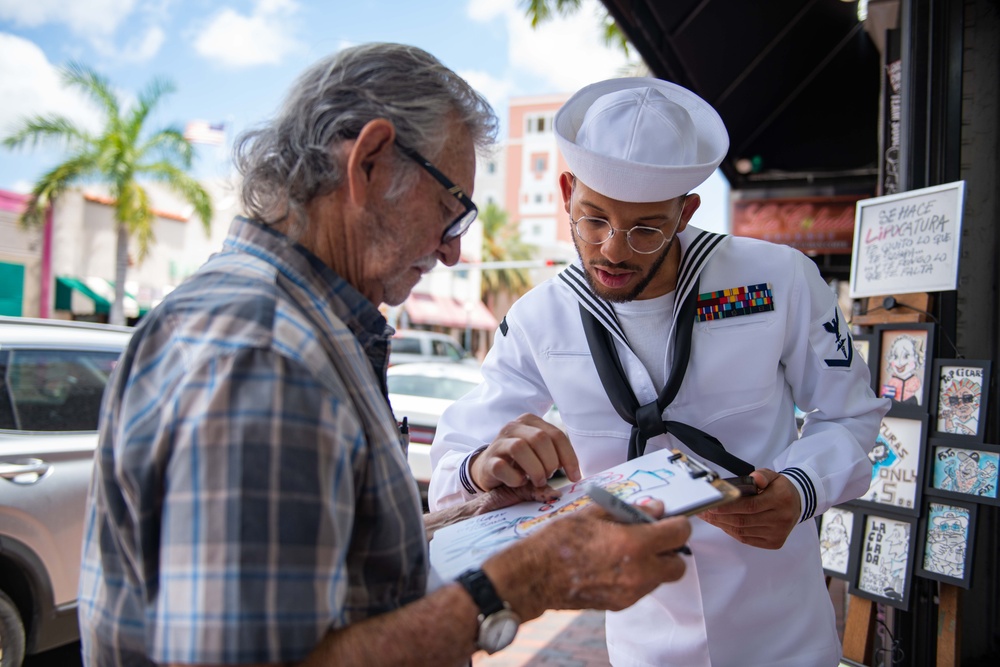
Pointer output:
52, 379
410, 345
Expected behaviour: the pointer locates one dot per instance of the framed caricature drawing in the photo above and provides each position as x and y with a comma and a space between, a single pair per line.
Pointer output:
961, 393
836, 535
905, 353
886, 559
897, 465
866, 345
964, 473
947, 531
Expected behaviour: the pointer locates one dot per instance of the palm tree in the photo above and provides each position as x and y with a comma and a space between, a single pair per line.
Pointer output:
502, 243
118, 155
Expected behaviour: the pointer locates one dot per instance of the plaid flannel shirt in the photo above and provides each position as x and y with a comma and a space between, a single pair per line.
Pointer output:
250, 491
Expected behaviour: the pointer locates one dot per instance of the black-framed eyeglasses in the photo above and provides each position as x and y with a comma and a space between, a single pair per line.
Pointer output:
964, 398
461, 224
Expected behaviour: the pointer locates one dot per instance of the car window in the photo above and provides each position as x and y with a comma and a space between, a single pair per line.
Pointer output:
443, 348
430, 387
54, 390
405, 345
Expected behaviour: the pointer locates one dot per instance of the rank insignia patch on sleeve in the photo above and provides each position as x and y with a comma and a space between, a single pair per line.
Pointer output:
844, 346
735, 301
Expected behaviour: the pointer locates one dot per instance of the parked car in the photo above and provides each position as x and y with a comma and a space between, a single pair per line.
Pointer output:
412, 345
53, 377
421, 391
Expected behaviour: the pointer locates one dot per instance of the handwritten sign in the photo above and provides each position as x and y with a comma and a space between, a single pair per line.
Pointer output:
907, 242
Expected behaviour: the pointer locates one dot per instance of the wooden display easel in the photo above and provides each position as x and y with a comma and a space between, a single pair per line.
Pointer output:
859, 628
949, 645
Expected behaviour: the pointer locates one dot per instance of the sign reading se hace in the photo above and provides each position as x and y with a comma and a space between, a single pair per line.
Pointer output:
907, 242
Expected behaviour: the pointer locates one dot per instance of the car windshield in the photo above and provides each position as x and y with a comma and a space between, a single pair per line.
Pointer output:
431, 387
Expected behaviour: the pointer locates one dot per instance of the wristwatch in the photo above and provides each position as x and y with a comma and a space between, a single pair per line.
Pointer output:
497, 621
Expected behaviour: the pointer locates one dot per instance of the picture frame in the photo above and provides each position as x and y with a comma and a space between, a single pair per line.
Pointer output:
897, 466
964, 472
909, 259
838, 532
885, 558
847, 662
906, 351
946, 537
867, 345
960, 398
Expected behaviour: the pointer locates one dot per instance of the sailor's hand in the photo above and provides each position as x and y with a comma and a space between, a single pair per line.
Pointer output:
764, 520
526, 451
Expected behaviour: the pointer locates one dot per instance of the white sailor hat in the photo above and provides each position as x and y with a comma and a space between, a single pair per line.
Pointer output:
640, 139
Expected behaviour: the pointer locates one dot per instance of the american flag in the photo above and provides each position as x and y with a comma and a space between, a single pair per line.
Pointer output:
203, 132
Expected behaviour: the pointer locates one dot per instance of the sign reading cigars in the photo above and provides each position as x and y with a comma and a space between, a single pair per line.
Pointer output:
908, 242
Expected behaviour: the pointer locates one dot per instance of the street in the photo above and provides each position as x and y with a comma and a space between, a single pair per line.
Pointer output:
556, 639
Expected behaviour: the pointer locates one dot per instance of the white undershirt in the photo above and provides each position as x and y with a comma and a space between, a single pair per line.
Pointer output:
646, 324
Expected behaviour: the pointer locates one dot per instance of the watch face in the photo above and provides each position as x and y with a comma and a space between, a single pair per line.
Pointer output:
497, 630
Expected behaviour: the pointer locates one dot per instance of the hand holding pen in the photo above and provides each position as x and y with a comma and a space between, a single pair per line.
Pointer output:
623, 511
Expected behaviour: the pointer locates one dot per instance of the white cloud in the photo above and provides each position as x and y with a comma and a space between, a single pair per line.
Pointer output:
567, 52
263, 37
22, 186
564, 53
140, 48
487, 10
30, 85
83, 17
496, 91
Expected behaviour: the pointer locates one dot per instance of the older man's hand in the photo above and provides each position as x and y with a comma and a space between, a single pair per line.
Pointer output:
586, 560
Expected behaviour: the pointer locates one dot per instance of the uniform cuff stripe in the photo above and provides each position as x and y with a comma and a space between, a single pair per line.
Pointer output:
802, 480
465, 476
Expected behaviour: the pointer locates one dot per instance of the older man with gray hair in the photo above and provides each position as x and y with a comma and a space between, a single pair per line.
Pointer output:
251, 500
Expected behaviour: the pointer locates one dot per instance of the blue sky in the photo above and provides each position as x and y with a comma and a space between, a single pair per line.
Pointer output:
232, 60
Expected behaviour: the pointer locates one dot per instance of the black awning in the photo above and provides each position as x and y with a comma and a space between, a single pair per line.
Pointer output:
796, 82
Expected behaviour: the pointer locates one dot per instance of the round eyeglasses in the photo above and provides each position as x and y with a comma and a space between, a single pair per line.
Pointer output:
597, 231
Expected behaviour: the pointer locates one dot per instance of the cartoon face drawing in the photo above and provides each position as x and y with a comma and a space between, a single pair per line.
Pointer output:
903, 358
835, 543
880, 452
946, 539
903, 365
958, 411
967, 472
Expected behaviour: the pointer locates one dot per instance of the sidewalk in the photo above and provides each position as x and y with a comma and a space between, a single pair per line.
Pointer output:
576, 638
555, 639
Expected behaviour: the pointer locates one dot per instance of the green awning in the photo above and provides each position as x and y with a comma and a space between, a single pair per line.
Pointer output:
65, 285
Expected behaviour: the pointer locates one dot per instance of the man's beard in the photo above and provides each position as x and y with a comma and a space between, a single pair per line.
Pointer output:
616, 297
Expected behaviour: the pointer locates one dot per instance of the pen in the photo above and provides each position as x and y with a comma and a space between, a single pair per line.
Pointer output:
404, 431
623, 511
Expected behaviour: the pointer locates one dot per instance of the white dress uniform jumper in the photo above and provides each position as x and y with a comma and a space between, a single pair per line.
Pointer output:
766, 335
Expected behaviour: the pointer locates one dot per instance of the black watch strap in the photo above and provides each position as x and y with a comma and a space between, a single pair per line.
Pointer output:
481, 589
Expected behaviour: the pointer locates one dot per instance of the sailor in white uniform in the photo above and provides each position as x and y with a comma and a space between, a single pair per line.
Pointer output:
666, 336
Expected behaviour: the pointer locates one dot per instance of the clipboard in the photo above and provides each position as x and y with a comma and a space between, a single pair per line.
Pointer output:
727, 492
685, 485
